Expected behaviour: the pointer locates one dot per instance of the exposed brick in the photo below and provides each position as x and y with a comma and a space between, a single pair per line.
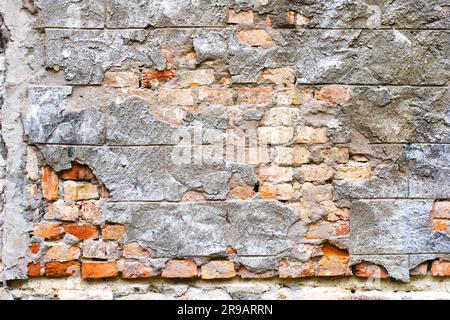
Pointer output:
134, 251
440, 268
242, 192
34, 270
225, 97
355, 172
62, 252
290, 96
60, 211
138, 270
365, 270
332, 266
61, 269
294, 269
334, 94
255, 96
342, 229
180, 269
99, 249
244, 273
121, 79
311, 192
275, 135
218, 270
193, 78
99, 270
275, 174
301, 155
78, 172
420, 270
50, 188
90, 212
338, 155
76, 191
277, 192
49, 231
151, 78
113, 232
35, 247
280, 76
180, 97
255, 38
82, 232
441, 210
314, 172
310, 135
441, 225
241, 17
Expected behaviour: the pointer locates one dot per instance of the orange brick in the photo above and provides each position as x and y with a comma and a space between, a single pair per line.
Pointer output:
61, 269
440, 268
150, 77
34, 270
241, 17
82, 232
78, 172
332, 251
35, 247
99, 270
365, 270
180, 269
134, 251
113, 232
332, 266
48, 231
50, 186
242, 192
137, 270
440, 225
218, 270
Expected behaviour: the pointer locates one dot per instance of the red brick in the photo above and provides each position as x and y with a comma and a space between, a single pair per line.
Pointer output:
34, 270
137, 270
48, 231
441, 210
365, 270
78, 172
113, 232
99, 270
50, 188
82, 232
150, 77
440, 269
35, 247
180, 269
61, 269
342, 229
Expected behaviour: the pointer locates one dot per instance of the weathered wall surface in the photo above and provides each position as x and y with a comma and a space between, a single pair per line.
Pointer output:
255, 141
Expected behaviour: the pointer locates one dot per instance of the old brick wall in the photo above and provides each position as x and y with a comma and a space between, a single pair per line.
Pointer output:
281, 148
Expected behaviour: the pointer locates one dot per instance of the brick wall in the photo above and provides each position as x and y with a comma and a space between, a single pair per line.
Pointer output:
228, 139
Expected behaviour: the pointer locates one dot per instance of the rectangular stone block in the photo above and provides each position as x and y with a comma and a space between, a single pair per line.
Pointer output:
73, 14
141, 14
394, 227
173, 230
373, 57
429, 171
415, 14
399, 114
